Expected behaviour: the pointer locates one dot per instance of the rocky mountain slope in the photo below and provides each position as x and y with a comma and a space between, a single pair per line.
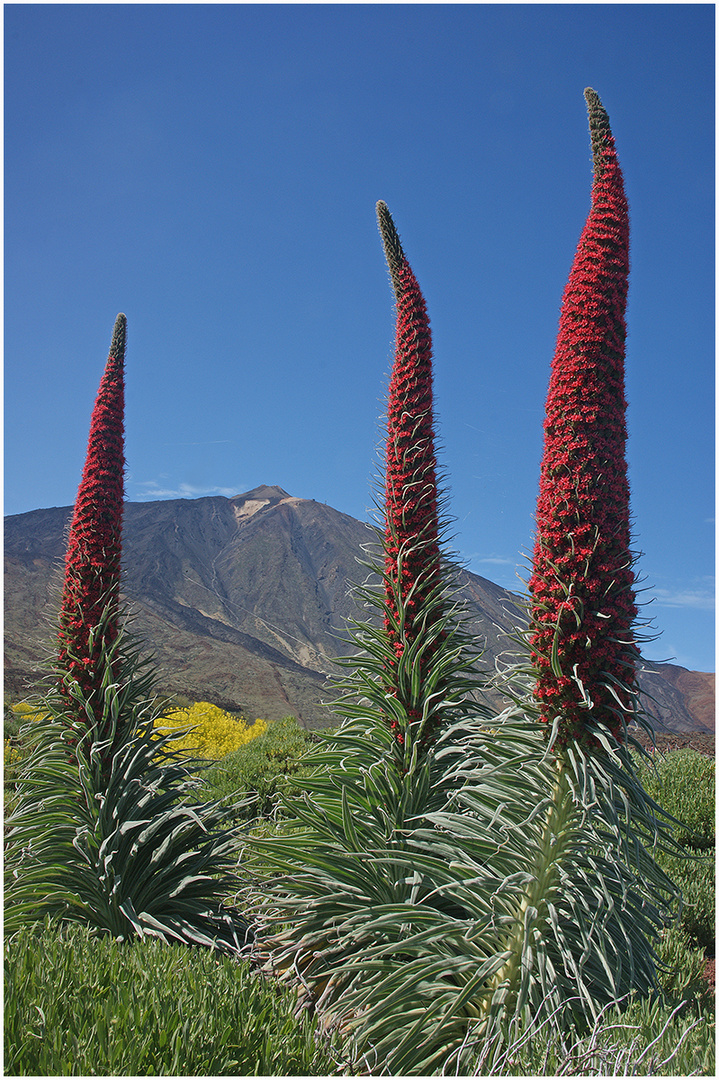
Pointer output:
245, 602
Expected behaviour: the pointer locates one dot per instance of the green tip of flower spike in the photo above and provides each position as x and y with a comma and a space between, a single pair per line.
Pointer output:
599, 129
392, 247
119, 337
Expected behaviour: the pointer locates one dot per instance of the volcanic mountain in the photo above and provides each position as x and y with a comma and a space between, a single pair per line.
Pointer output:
245, 602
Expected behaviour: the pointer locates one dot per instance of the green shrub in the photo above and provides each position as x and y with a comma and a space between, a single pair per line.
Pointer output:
259, 769
15, 717
82, 1005
681, 970
695, 878
683, 783
12, 756
12, 721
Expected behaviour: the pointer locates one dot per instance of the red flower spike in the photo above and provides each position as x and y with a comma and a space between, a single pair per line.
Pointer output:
412, 549
92, 564
581, 587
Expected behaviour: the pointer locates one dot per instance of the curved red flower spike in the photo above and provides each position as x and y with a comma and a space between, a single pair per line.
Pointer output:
91, 587
412, 530
581, 587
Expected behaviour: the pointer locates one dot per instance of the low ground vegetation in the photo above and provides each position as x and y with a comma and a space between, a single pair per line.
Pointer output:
260, 770
683, 782
77, 1002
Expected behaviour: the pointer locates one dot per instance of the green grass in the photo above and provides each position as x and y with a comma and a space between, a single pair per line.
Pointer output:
76, 1004
81, 1005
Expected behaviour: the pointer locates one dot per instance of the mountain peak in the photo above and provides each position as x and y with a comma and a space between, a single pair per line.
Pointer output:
263, 492
247, 601
260, 498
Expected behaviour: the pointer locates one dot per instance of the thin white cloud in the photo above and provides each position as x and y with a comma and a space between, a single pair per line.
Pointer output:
495, 560
152, 490
699, 599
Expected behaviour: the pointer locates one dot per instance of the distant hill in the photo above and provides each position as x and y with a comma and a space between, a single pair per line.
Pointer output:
244, 602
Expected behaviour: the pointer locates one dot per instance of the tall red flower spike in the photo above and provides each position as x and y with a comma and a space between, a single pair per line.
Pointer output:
581, 587
412, 551
91, 591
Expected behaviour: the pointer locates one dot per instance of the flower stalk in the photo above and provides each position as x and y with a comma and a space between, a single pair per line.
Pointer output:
412, 560
531, 919
90, 606
583, 605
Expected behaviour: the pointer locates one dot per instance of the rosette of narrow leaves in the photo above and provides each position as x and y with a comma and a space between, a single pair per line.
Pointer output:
434, 680
127, 847
433, 910
91, 587
582, 582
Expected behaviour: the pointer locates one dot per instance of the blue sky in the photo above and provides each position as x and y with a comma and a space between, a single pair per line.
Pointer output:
212, 171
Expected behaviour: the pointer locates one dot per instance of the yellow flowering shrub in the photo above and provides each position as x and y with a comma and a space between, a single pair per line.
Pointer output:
17, 715
25, 711
215, 732
12, 756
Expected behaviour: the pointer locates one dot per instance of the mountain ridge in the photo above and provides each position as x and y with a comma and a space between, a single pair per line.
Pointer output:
245, 601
